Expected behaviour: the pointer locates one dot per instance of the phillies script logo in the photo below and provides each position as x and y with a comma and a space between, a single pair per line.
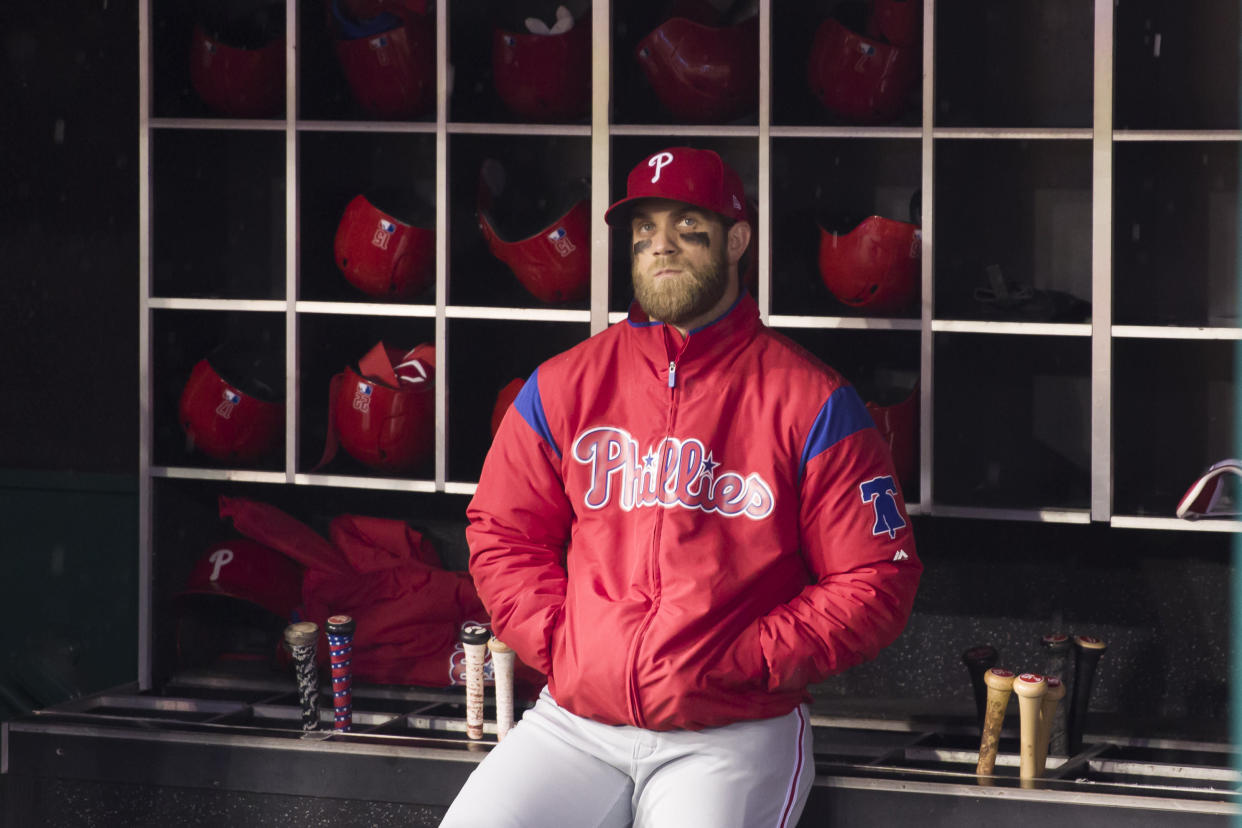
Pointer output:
672, 473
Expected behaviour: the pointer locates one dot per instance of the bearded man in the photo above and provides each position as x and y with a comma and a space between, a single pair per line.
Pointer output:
682, 522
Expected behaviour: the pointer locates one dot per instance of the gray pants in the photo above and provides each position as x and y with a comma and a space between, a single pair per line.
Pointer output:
558, 769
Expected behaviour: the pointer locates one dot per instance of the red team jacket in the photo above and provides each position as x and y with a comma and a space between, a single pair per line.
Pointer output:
684, 534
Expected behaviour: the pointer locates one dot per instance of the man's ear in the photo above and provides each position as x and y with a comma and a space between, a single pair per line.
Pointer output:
738, 240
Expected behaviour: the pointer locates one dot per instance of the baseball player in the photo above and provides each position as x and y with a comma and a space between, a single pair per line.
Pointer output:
683, 522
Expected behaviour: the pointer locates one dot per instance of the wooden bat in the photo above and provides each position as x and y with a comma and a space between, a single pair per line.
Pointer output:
474, 640
978, 660
1047, 715
340, 630
1000, 684
1057, 647
1087, 655
502, 678
1030, 689
302, 639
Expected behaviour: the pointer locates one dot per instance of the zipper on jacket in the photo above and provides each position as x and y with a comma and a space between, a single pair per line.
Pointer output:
632, 678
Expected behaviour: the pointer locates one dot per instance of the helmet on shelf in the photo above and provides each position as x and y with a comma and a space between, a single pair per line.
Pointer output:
703, 73
899, 22
383, 255
237, 62
552, 259
544, 73
898, 422
232, 407
389, 60
862, 78
504, 399
383, 408
235, 603
875, 265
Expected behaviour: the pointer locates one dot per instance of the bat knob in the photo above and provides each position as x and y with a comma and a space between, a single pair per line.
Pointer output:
998, 678
301, 634
340, 625
474, 634
1030, 686
984, 654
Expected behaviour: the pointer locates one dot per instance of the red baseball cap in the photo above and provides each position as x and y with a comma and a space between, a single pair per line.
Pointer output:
695, 176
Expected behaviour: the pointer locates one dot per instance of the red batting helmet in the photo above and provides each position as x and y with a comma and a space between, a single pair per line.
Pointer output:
237, 600
237, 63
703, 73
544, 76
248, 571
898, 422
899, 22
504, 399
874, 266
383, 409
389, 61
382, 255
859, 78
554, 261
227, 423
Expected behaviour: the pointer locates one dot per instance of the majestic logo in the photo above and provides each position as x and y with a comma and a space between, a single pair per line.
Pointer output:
660, 160
881, 493
671, 473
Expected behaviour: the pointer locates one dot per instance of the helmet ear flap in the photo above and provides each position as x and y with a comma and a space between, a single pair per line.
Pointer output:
389, 62
551, 260
875, 266
237, 62
224, 421
543, 74
858, 78
381, 254
701, 73
387, 422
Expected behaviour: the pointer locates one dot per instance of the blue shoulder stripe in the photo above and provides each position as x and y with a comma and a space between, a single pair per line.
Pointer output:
842, 415
530, 405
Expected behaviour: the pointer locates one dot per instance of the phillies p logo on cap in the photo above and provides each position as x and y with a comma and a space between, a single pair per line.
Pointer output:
694, 176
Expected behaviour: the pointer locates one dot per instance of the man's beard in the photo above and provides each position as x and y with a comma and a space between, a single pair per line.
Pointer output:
686, 296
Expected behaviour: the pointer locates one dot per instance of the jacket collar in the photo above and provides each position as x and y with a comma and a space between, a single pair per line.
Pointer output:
661, 344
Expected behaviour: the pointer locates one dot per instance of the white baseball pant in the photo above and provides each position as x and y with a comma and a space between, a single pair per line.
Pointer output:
557, 769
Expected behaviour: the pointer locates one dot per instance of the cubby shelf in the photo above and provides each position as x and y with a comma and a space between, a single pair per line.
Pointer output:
1038, 171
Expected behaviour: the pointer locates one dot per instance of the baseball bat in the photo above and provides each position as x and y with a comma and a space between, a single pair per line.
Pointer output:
1057, 647
474, 640
978, 660
999, 682
502, 678
302, 638
1047, 715
1088, 650
340, 630
1030, 689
